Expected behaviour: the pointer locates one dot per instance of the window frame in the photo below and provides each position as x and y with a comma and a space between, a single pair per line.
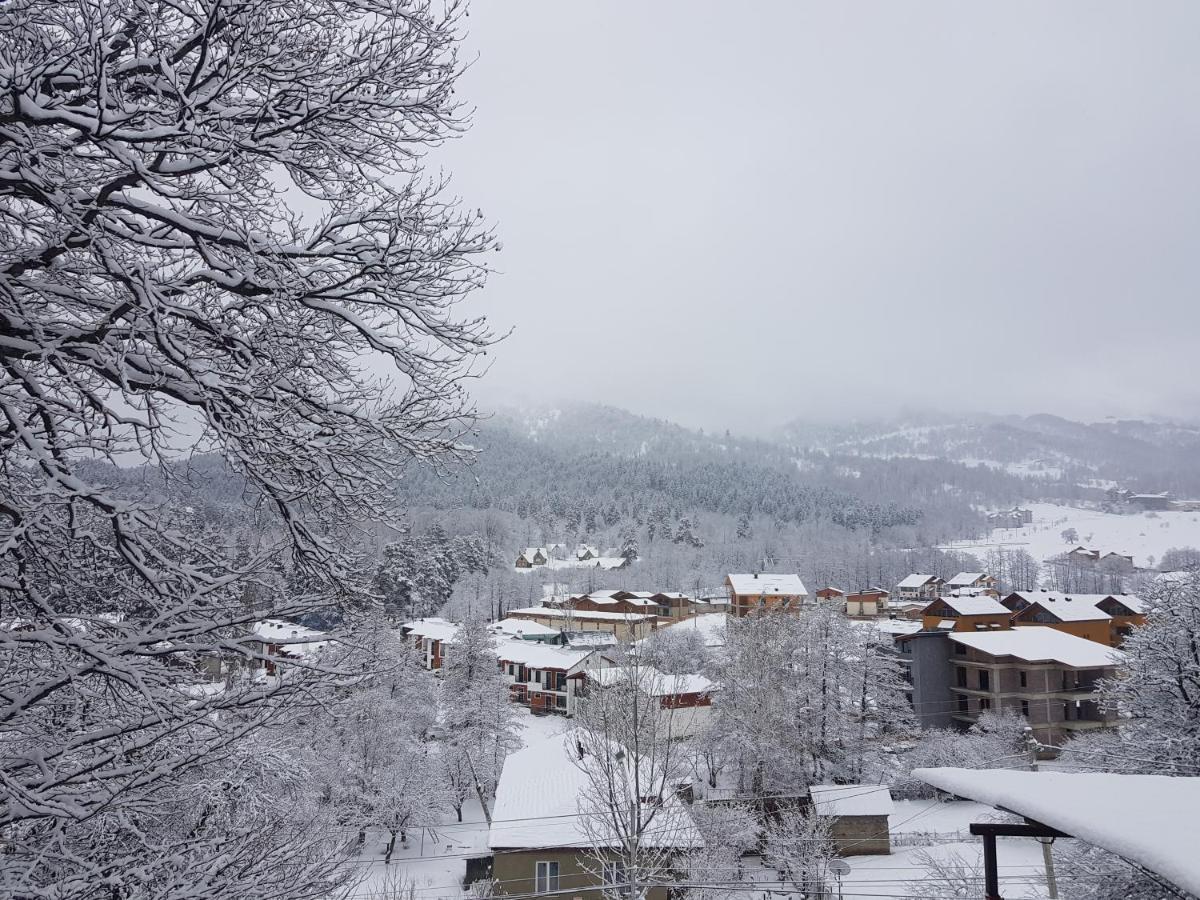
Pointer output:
543, 881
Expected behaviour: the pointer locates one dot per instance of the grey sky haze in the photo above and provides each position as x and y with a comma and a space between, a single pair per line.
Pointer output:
733, 214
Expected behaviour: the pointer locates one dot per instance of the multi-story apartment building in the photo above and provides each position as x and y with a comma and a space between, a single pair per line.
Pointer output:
1046, 675
763, 592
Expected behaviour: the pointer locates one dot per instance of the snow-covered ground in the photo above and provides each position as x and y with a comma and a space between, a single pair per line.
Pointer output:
1142, 535
434, 861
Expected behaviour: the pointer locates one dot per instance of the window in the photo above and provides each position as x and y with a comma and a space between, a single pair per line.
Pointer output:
560, 702
1025, 707
1024, 678
985, 681
960, 649
962, 705
614, 874
546, 877
961, 676
984, 703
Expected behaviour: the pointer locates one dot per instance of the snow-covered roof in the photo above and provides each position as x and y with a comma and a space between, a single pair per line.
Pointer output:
581, 614
711, 627
277, 631
536, 655
433, 628
916, 581
964, 579
893, 626
1067, 609
1052, 600
651, 681
590, 638
851, 799
975, 606
538, 803
1147, 819
766, 584
530, 552
1038, 643
521, 627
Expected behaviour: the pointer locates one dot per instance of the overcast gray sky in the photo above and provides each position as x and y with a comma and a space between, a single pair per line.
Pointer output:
730, 214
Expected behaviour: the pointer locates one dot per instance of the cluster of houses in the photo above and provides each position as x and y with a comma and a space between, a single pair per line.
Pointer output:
1010, 518
1159, 502
557, 556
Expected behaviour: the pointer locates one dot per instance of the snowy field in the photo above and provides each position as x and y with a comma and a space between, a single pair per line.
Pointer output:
1142, 535
432, 865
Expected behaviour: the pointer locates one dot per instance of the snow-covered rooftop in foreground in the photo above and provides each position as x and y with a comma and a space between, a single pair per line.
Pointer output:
766, 584
537, 803
1148, 819
851, 799
537, 655
1040, 643
1069, 609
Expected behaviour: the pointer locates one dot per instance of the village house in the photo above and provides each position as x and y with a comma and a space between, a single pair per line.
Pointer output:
623, 625
1010, 518
432, 637
955, 613
763, 592
541, 843
856, 815
1108, 618
279, 641
830, 594
531, 557
1046, 675
526, 631
867, 603
545, 678
684, 701
971, 581
674, 605
585, 552
917, 588
1083, 556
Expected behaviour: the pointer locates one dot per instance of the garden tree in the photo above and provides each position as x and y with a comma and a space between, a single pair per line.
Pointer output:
378, 769
1177, 559
717, 871
798, 846
1156, 688
480, 722
802, 699
676, 651
995, 741
155, 287
627, 746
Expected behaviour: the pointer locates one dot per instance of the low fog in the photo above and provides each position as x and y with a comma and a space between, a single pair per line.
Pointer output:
731, 215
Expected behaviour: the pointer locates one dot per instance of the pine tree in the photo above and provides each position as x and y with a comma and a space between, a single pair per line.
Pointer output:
629, 545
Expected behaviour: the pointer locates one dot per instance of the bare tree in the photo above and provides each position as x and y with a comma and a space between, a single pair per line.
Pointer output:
159, 288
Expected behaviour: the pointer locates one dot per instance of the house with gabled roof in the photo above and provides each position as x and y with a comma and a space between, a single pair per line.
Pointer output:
759, 592
531, 557
918, 587
971, 581
1121, 612
867, 603
955, 613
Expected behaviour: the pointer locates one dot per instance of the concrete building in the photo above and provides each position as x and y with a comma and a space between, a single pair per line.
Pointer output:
763, 592
1046, 675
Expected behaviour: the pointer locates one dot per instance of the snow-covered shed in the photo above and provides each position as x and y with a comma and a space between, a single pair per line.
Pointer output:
857, 815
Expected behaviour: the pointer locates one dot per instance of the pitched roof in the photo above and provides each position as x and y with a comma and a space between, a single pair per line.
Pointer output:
766, 584
974, 606
581, 614
916, 581
1053, 599
538, 803
711, 627
1068, 610
1035, 643
434, 628
521, 627
537, 655
651, 681
965, 579
851, 799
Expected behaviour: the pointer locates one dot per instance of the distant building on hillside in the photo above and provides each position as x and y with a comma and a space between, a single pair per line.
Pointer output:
970, 580
1150, 502
869, 602
532, 556
1010, 518
763, 592
920, 587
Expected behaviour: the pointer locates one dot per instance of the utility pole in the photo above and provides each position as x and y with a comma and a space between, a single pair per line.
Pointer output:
1047, 858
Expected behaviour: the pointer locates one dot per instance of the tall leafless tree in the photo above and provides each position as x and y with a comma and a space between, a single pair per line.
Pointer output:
213, 224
